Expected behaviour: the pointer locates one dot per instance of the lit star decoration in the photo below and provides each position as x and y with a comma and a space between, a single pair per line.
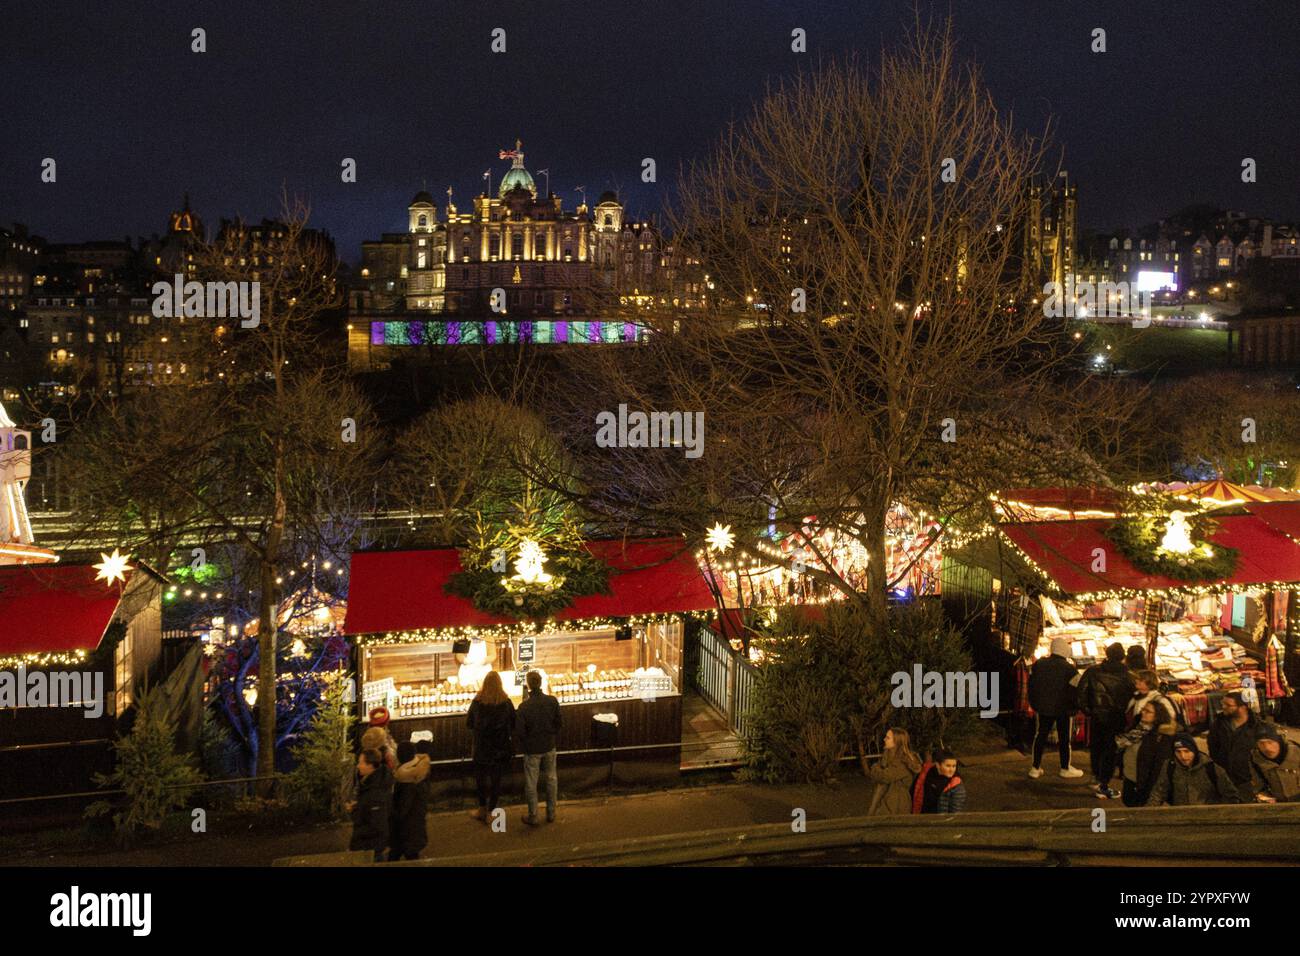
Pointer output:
720, 538
113, 567
528, 566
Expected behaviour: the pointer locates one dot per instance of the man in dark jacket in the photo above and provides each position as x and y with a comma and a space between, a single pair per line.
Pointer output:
538, 723
1232, 741
1052, 695
1104, 693
1275, 767
370, 810
1191, 779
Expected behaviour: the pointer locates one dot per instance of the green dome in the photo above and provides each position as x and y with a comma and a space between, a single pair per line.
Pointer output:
517, 176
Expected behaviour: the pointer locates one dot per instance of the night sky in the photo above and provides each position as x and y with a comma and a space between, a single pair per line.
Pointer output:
411, 90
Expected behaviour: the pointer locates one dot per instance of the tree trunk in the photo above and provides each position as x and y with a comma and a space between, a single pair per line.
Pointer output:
266, 633
875, 599
266, 678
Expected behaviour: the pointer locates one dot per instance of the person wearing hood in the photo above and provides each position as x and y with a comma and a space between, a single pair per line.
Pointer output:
1104, 692
1146, 750
1275, 767
1191, 779
370, 810
1232, 741
408, 832
1052, 695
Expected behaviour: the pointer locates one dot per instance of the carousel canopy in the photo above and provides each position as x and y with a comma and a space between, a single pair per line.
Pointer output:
1219, 491
53, 609
403, 590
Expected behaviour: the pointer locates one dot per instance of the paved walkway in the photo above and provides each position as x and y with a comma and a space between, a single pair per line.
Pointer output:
994, 782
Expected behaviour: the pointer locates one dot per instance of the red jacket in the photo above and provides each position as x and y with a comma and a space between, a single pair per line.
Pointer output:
918, 789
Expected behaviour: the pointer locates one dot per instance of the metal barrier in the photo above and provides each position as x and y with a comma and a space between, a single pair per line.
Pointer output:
725, 679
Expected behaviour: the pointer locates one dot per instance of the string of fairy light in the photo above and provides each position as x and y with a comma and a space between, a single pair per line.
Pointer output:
44, 659
504, 632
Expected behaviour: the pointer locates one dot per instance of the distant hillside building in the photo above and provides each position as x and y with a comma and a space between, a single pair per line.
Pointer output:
515, 266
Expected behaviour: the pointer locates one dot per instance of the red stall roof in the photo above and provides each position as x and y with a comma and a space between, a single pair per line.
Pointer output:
403, 590
1064, 550
1283, 516
54, 608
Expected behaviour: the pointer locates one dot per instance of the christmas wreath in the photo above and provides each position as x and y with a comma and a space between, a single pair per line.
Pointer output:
527, 570
1142, 539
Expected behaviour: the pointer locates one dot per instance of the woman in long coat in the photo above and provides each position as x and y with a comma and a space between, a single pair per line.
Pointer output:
893, 774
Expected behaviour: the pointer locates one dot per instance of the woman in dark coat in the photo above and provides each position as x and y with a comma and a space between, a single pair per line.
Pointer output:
370, 810
410, 804
492, 719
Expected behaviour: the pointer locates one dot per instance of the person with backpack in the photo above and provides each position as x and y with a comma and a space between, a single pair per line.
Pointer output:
370, 810
1191, 779
492, 719
894, 775
408, 830
1232, 739
1052, 695
1104, 692
938, 789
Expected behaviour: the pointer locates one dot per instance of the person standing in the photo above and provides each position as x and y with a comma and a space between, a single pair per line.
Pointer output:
1147, 749
1104, 692
370, 810
1191, 779
492, 719
1052, 695
893, 774
1232, 741
409, 831
938, 789
538, 723
1275, 767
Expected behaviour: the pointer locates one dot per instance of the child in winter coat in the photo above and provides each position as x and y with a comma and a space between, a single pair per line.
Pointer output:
370, 810
938, 788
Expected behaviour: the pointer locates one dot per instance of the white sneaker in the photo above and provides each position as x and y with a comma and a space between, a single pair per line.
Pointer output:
1071, 772
1035, 773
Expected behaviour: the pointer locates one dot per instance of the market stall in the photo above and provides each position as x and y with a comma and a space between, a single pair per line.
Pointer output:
423, 652
1214, 619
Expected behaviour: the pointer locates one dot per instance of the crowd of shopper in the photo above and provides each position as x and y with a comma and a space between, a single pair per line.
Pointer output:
1137, 733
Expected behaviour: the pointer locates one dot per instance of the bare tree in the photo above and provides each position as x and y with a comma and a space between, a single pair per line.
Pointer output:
860, 343
266, 448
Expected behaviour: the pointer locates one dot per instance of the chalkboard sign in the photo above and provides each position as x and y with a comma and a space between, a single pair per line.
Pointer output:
527, 649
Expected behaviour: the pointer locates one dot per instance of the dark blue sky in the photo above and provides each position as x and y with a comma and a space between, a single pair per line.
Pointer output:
410, 89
